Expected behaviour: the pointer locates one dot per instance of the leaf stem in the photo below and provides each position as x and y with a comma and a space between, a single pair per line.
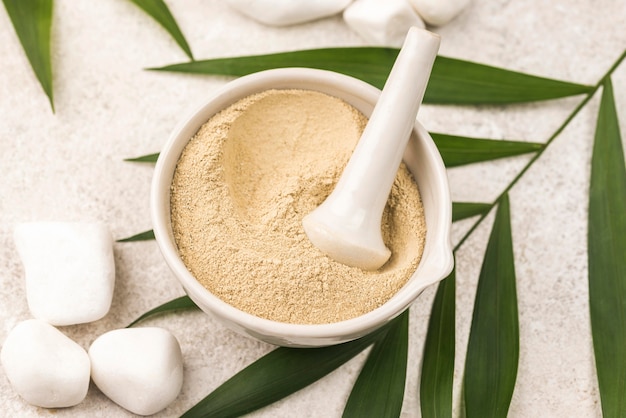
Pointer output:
539, 153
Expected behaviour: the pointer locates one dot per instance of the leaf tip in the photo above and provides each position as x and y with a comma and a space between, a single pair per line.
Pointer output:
51, 100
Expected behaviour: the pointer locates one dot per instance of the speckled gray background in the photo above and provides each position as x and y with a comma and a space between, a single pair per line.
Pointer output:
68, 166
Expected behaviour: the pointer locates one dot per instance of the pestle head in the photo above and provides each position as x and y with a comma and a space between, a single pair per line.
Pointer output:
331, 234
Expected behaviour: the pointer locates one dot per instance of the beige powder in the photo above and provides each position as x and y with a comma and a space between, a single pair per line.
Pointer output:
241, 188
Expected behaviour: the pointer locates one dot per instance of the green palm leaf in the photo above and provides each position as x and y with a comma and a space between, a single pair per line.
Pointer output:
142, 236
452, 81
458, 150
32, 20
455, 150
174, 305
148, 158
277, 375
379, 390
368, 64
493, 347
607, 254
161, 13
463, 82
438, 360
464, 210
460, 210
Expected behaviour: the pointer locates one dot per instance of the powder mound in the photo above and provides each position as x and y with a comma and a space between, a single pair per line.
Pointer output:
241, 188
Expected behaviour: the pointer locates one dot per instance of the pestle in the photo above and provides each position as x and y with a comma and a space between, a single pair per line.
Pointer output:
347, 225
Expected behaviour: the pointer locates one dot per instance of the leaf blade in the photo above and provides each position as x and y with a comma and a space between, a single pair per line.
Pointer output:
368, 64
456, 81
276, 375
180, 303
459, 150
32, 21
437, 374
452, 81
455, 150
493, 347
379, 389
159, 11
464, 210
142, 236
148, 158
606, 254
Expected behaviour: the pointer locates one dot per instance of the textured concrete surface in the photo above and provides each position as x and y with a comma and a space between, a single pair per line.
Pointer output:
69, 166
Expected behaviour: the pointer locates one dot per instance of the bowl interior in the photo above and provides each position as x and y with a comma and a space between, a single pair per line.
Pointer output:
422, 159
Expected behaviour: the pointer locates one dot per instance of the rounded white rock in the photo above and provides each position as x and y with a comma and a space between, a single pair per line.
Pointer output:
287, 12
140, 369
44, 366
438, 12
69, 270
382, 22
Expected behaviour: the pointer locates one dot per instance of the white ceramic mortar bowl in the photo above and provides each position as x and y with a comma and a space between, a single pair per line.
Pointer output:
421, 157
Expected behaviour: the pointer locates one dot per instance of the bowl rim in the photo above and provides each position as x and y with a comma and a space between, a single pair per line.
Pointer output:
262, 328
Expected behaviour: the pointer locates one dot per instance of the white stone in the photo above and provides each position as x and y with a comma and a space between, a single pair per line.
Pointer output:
438, 12
69, 270
382, 22
44, 366
140, 369
288, 12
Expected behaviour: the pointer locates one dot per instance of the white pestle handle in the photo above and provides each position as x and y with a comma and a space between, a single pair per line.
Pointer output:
347, 225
